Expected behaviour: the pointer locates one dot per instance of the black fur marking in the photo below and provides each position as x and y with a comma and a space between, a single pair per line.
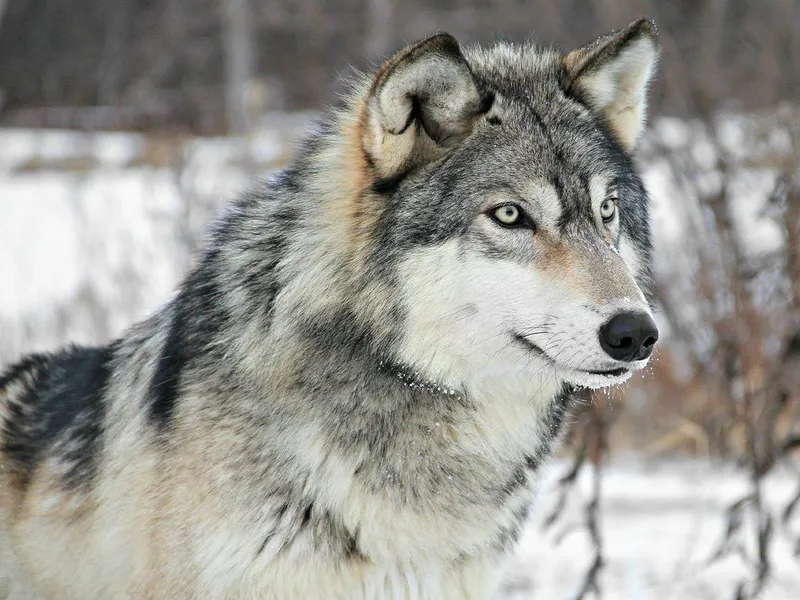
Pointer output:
29, 366
306, 515
388, 185
414, 116
517, 480
540, 123
290, 179
555, 418
166, 380
523, 513
561, 403
275, 221
324, 530
352, 550
508, 537
196, 322
793, 346
487, 101
264, 543
410, 221
341, 335
494, 120
330, 529
60, 413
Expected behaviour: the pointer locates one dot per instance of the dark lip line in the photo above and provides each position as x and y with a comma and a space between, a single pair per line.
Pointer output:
611, 373
533, 347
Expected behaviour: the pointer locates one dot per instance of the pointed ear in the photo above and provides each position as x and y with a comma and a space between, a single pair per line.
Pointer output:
423, 101
611, 77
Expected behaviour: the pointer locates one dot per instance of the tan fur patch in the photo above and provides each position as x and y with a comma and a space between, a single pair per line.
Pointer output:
344, 182
46, 498
557, 257
356, 207
597, 274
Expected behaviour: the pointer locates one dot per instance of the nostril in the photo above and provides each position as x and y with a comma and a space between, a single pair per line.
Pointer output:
649, 342
626, 342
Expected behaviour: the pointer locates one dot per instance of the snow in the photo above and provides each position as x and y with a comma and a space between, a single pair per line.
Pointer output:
106, 149
660, 525
752, 187
62, 230
674, 133
91, 240
27, 243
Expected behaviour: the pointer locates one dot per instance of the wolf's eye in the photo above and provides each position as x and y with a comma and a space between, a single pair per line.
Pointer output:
608, 209
508, 215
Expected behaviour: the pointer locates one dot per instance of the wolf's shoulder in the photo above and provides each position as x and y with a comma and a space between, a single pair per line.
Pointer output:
53, 402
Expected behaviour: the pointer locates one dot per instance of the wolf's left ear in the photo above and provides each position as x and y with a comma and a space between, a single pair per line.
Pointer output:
423, 101
611, 76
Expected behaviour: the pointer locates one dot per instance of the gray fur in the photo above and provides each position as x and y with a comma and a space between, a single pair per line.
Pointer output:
279, 430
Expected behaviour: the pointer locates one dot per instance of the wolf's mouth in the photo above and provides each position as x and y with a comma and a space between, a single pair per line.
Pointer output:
611, 373
537, 350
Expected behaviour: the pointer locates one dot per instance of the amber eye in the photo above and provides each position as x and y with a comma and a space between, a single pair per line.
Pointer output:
608, 209
508, 215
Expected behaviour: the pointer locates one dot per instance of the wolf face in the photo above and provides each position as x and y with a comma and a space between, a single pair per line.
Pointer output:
523, 231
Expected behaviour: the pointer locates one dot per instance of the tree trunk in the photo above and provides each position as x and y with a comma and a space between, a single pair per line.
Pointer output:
238, 45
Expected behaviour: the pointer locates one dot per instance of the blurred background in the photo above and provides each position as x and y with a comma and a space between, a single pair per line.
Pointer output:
125, 126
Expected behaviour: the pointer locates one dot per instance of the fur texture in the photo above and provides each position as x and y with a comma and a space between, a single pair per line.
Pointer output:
352, 393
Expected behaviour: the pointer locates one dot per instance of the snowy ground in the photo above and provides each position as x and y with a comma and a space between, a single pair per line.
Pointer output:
660, 526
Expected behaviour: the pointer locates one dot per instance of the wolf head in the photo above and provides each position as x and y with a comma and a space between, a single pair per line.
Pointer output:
486, 212
510, 208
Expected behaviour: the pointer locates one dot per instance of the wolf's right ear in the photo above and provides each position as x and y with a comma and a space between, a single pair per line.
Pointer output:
612, 76
423, 101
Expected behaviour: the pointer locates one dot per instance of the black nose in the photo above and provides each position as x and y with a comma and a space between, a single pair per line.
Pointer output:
629, 336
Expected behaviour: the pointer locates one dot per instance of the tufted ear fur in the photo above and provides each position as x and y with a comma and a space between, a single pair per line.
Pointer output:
423, 101
611, 77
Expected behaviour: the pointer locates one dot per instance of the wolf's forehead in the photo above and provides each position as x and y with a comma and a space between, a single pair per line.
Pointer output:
510, 65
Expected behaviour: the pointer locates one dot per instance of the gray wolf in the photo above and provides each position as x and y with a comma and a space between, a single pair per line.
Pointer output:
352, 393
